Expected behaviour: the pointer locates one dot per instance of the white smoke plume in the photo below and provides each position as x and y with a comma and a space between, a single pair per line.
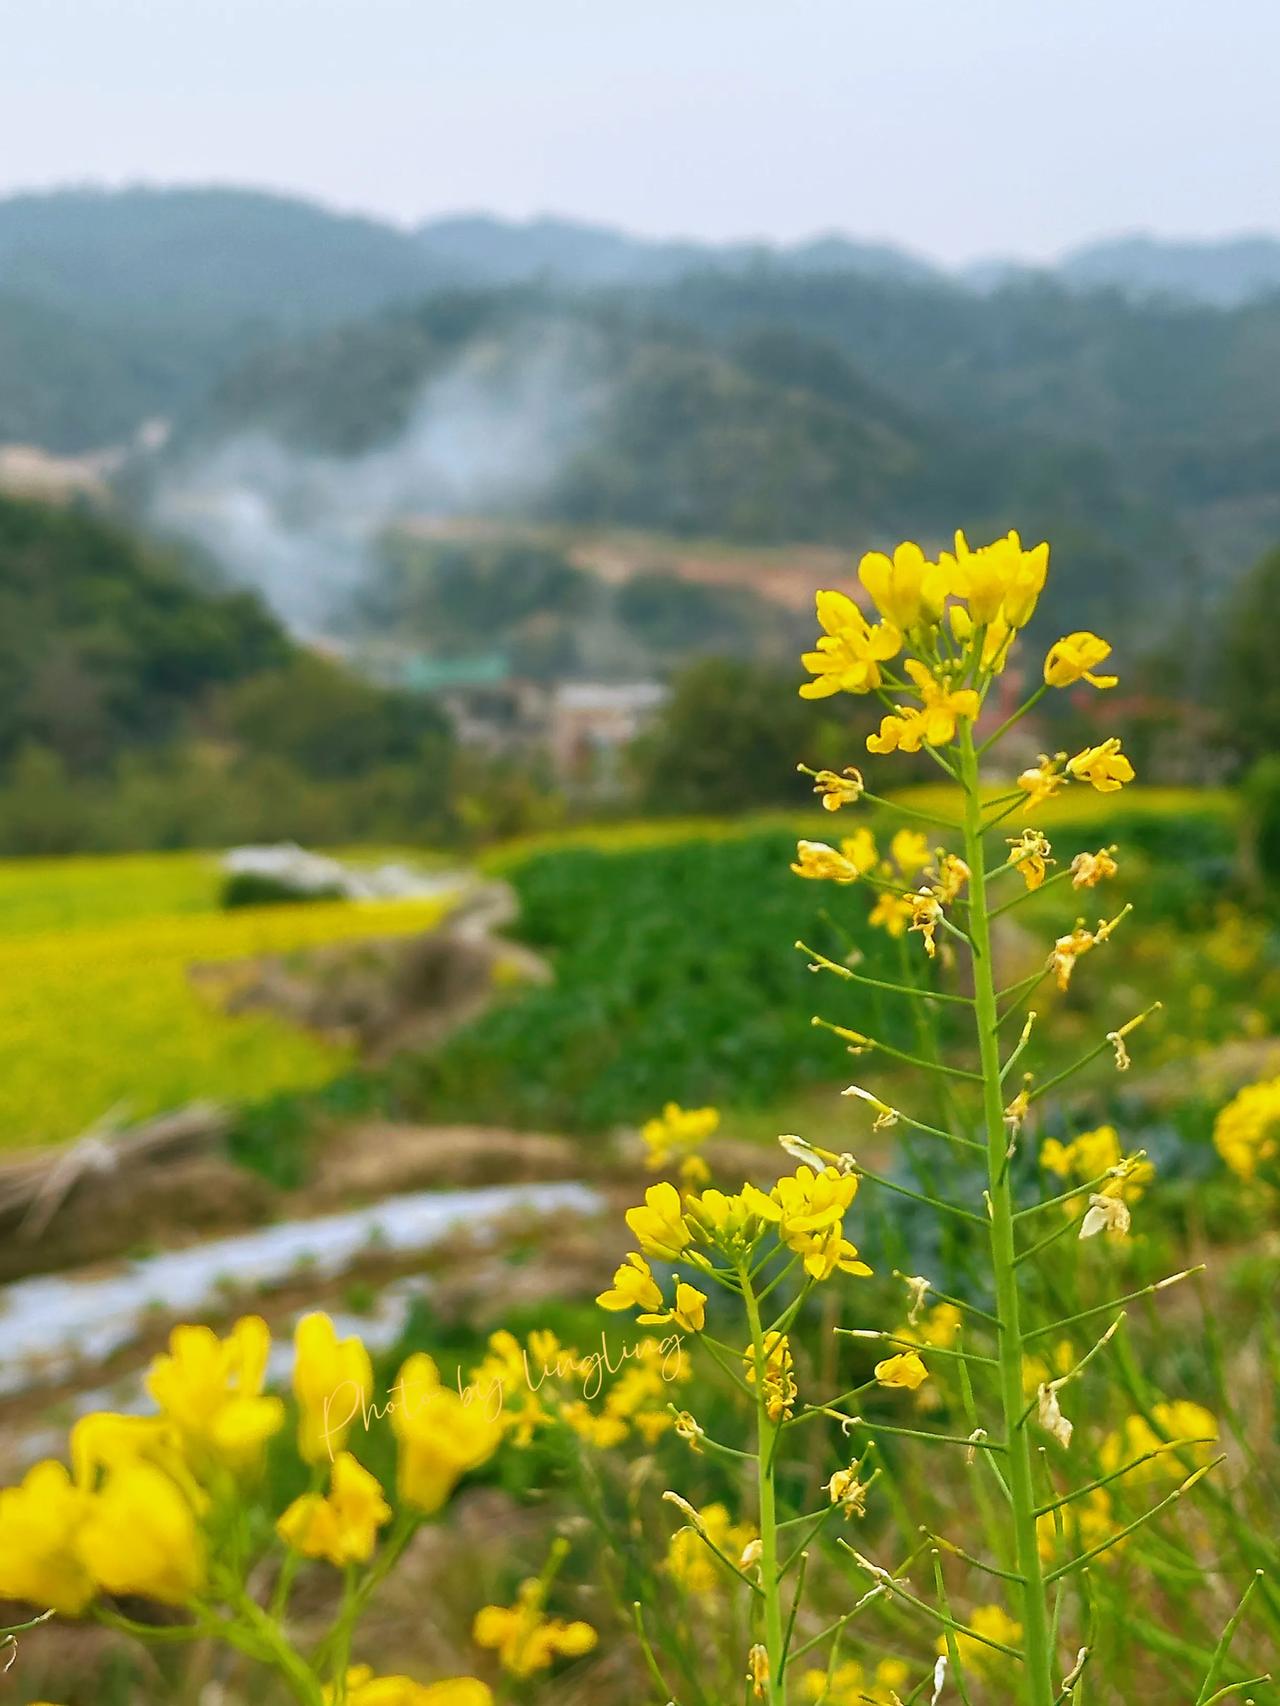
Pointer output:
486, 437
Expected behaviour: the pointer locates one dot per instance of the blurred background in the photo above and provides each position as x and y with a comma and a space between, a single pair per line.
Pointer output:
422, 431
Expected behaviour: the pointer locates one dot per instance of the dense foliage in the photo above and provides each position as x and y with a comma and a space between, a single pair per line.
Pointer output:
139, 709
672, 958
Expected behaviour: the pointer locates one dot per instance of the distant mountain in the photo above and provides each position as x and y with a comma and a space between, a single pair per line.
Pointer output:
481, 249
215, 257
1225, 273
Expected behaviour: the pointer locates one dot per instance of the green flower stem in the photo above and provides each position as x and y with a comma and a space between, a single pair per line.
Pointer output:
954, 1660
910, 1345
1017, 717
852, 976
1224, 1645
1138, 1522
897, 1053
896, 1589
942, 1207
1025, 895
1039, 1688
1113, 1303
766, 1440
1116, 1474
939, 821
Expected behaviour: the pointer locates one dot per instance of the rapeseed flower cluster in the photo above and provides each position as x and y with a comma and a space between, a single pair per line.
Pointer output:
1246, 1132
145, 1505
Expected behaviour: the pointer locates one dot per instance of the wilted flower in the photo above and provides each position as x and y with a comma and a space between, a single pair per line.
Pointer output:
1043, 780
1089, 869
835, 790
1105, 1214
825, 864
1049, 1414
1029, 854
926, 914
758, 1670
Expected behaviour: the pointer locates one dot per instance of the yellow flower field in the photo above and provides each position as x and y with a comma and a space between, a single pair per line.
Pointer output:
101, 1016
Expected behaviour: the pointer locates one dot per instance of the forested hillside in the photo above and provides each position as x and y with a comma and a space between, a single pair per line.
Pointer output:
140, 708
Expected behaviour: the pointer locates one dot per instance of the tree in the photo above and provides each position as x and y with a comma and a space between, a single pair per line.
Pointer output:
763, 729
1248, 682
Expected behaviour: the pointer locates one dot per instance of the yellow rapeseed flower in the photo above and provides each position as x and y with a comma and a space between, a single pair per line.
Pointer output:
332, 1382
1246, 1132
909, 851
891, 913
441, 1435
634, 1287
809, 1209
690, 1561
995, 1623
903, 1369
1074, 658
850, 1685
526, 1641
817, 860
141, 1537
660, 1224
909, 591
41, 1522
1103, 766
210, 1389
933, 723
363, 1688
342, 1527
779, 1385
677, 1132
1088, 1156
849, 651
1000, 580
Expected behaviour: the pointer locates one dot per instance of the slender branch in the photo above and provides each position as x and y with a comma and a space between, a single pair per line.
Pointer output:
1138, 1522
822, 963
915, 1060
912, 1344
1117, 1474
919, 1196
898, 1591
1016, 717
1114, 1303
978, 1563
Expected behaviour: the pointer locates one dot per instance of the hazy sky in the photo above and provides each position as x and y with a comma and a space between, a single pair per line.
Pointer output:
958, 127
